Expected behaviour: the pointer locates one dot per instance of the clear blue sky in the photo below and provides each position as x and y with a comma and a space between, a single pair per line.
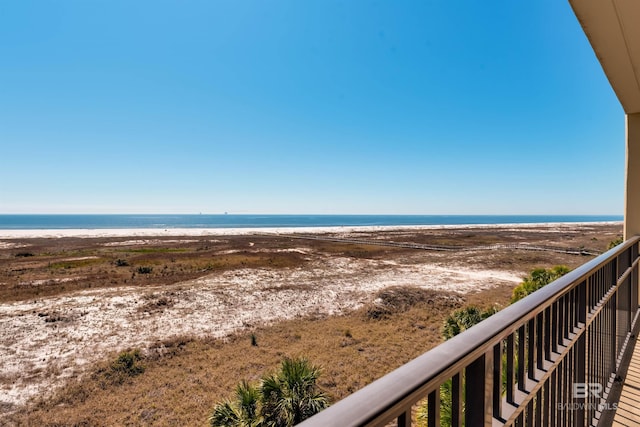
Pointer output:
304, 106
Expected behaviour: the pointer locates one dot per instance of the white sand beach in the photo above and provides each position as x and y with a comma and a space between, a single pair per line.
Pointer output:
179, 232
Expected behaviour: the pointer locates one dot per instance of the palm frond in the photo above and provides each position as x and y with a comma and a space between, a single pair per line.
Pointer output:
224, 415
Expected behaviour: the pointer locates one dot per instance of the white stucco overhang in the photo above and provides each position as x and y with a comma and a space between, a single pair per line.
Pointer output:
613, 29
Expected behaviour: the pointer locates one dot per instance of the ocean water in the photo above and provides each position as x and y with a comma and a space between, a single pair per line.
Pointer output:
43, 222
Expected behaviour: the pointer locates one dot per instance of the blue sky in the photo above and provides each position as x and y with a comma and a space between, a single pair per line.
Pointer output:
314, 106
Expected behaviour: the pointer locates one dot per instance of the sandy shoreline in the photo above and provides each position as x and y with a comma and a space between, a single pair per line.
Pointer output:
172, 232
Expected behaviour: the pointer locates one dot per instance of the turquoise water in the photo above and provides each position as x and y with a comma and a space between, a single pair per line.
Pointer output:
42, 222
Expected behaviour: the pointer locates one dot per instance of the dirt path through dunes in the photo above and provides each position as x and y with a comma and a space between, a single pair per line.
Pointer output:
45, 341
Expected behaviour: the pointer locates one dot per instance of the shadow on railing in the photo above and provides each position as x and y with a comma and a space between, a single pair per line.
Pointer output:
550, 359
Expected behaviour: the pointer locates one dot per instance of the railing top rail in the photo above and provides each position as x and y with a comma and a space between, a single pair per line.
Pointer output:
423, 373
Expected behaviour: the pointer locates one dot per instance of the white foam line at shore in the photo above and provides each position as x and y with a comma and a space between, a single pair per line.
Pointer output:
175, 232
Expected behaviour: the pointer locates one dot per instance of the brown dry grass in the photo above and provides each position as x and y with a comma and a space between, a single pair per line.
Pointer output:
185, 377
174, 260
39, 275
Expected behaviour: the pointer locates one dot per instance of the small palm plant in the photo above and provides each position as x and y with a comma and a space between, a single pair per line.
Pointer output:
282, 399
537, 279
291, 395
462, 319
243, 412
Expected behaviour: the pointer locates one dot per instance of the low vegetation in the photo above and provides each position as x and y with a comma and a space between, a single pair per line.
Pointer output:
144, 270
353, 349
462, 319
24, 254
281, 399
121, 262
616, 242
127, 365
537, 279
398, 299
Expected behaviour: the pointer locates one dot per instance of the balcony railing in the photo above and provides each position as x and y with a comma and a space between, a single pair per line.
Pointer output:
551, 359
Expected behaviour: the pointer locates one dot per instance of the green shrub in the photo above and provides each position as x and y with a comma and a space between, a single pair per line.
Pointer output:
615, 242
127, 365
241, 412
24, 254
144, 270
282, 399
464, 318
537, 279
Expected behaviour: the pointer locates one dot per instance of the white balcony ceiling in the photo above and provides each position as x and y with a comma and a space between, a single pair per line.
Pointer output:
613, 29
